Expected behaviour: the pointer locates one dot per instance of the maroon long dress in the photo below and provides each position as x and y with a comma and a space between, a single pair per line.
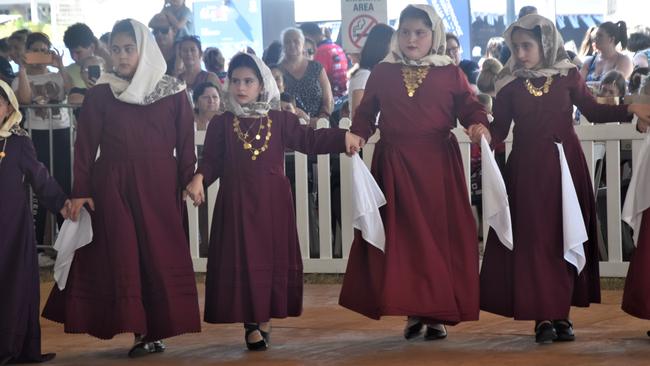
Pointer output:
20, 332
136, 275
534, 282
636, 297
254, 262
430, 265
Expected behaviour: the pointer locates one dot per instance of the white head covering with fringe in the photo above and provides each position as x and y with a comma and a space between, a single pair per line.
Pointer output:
10, 126
149, 83
269, 97
436, 55
555, 59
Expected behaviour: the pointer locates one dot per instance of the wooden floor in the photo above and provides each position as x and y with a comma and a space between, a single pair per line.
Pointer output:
327, 334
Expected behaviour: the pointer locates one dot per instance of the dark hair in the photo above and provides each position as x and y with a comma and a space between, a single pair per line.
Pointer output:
638, 41
287, 98
78, 35
411, 12
617, 31
376, 46
616, 78
308, 40
449, 36
193, 39
4, 45
635, 79
471, 70
244, 60
527, 10
4, 95
200, 89
123, 26
585, 48
37, 37
106, 37
311, 29
272, 53
20, 35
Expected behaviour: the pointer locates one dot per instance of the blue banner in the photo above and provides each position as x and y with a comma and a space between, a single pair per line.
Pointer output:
456, 16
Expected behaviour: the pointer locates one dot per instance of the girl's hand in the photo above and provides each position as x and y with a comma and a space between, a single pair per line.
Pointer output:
641, 110
477, 130
66, 209
57, 58
195, 190
353, 143
77, 203
643, 125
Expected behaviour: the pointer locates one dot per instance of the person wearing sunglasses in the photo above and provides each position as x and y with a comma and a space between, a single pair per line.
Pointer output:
165, 35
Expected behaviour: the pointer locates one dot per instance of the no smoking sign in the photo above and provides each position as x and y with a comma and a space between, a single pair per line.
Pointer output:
359, 28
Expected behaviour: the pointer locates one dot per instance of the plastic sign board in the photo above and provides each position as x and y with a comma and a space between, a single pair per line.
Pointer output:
358, 17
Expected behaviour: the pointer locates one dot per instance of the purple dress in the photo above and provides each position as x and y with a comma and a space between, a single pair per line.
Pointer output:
20, 332
534, 282
136, 275
254, 264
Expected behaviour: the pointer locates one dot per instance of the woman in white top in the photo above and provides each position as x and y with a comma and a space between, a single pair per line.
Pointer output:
373, 51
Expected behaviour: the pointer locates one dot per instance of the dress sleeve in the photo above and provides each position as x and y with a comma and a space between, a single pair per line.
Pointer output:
500, 127
309, 141
586, 103
214, 150
89, 130
468, 110
47, 190
185, 149
365, 115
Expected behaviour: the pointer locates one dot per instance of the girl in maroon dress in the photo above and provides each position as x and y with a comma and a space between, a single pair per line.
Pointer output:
429, 270
538, 88
136, 275
254, 264
20, 332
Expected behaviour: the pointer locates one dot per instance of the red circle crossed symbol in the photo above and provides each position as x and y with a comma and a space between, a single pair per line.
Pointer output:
360, 27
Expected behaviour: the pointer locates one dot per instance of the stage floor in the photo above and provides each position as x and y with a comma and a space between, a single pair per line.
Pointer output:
327, 334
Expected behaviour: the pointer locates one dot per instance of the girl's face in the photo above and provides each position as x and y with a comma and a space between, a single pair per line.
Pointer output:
415, 39
293, 44
526, 49
602, 40
190, 53
124, 54
208, 101
6, 109
279, 79
244, 85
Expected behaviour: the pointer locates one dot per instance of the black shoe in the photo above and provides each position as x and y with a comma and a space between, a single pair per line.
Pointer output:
544, 332
564, 330
433, 334
141, 348
158, 346
254, 346
413, 330
648, 333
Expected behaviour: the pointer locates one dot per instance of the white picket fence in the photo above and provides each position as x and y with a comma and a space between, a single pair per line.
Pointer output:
597, 140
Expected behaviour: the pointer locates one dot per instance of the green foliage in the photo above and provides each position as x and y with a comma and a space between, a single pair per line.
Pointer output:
7, 28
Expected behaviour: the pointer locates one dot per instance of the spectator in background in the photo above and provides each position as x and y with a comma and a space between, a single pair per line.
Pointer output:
81, 43
612, 86
493, 49
526, 10
588, 45
309, 49
207, 103
92, 67
272, 53
487, 77
278, 75
455, 52
165, 35
180, 17
373, 52
190, 52
17, 46
331, 56
6, 72
639, 43
635, 79
104, 40
607, 58
35, 84
215, 62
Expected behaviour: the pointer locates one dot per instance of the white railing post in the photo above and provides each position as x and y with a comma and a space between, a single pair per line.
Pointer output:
347, 232
324, 200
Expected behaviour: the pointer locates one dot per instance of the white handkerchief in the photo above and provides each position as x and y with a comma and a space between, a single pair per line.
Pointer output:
637, 199
72, 236
495, 197
573, 225
366, 200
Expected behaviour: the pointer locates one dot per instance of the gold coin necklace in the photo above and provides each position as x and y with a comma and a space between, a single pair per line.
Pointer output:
247, 142
538, 92
413, 77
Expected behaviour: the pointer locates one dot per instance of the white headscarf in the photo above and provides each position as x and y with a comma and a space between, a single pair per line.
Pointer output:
10, 126
149, 83
555, 59
269, 97
436, 56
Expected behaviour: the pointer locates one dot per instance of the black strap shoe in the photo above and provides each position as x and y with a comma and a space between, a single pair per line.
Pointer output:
433, 333
254, 346
544, 332
413, 330
564, 330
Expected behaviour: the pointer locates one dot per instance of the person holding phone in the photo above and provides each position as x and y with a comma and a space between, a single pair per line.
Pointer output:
36, 84
92, 67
